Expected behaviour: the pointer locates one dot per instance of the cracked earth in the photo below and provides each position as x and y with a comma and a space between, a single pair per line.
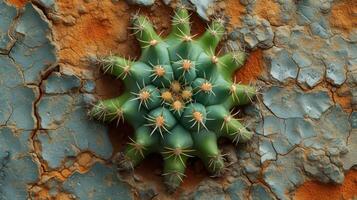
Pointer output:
302, 56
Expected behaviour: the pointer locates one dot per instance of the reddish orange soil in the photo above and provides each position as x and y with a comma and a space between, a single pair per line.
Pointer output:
252, 69
344, 15
234, 10
269, 10
17, 3
313, 190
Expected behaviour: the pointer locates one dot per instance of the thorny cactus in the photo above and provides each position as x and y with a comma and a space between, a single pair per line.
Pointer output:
178, 97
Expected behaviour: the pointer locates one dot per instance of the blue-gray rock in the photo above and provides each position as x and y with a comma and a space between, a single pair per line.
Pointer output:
321, 28
285, 174
16, 100
209, 190
292, 103
7, 16
89, 86
335, 71
33, 51
282, 35
266, 150
17, 169
282, 66
202, 6
49, 4
260, 192
298, 129
354, 120
350, 158
69, 130
311, 75
255, 32
57, 83
238, 190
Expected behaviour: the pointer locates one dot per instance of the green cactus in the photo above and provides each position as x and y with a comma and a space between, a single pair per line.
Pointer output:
178, 97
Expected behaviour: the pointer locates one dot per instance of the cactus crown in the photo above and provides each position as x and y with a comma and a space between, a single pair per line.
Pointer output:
178, 97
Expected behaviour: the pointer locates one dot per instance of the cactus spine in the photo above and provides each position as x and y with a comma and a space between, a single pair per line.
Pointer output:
178, 97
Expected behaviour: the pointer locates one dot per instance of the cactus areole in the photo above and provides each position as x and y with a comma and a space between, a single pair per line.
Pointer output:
178, 97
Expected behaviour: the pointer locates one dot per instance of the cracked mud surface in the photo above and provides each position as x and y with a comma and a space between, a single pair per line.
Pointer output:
305, 118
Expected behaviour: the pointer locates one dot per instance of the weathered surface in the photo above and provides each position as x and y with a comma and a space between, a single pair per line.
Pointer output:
305, 121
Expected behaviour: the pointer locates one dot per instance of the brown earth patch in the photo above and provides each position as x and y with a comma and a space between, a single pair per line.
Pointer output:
314, 190
344, 15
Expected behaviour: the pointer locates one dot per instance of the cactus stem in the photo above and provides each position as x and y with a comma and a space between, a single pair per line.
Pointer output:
138, 28
228, 118
214, 59
150, 43
206, 87
186, 83
186, 65
100, 111
175, 86
153, 42
238, 134
197, 119
216, 32
143, 96
186, 95
158, 71
177, 153
175, 173
166, 96
118, 113
178, 20
233, 92
177, 106
214, 161
137, 147
158, 123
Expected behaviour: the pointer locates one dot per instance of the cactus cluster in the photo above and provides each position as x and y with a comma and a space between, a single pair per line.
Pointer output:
178, 97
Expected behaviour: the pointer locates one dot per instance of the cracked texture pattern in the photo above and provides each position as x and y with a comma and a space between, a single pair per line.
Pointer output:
304, 129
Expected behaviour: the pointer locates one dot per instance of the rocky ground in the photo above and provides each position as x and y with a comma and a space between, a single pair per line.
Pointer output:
302, 56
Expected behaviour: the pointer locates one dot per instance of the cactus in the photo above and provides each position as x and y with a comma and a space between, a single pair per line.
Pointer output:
178, 97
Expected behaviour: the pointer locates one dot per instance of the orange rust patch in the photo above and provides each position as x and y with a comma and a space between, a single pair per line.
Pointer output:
269, 10
235, 10
314, 190
17, 3
96, 29
345, 102
100, 28
252, 69
344, 15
